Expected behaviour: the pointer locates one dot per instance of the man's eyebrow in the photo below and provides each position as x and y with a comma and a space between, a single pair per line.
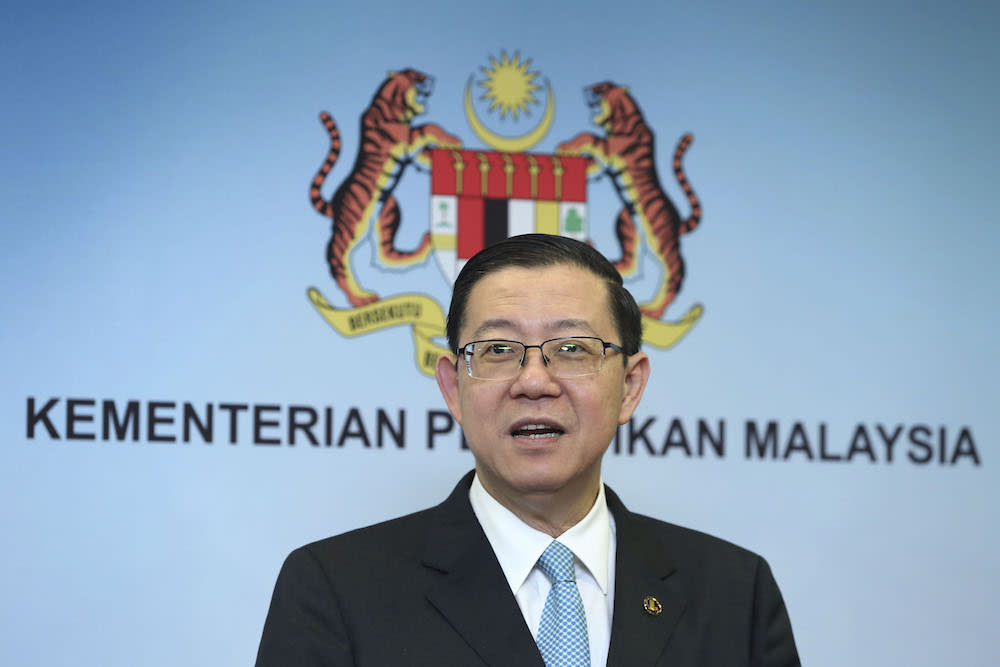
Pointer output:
563, 325
491, 325
559, 326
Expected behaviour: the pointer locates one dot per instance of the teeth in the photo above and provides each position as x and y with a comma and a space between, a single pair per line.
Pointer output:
536, 431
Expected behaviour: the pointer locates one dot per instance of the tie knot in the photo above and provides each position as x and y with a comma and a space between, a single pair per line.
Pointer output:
556, 563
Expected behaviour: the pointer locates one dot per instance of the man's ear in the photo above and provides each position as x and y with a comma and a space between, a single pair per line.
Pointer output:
446, 374
636, 376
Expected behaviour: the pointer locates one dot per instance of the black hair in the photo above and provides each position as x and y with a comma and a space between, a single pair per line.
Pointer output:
536, 250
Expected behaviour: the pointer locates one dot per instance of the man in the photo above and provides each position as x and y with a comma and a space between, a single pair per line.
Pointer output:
531, 560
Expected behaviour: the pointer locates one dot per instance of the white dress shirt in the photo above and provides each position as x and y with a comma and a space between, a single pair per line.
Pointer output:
518, 547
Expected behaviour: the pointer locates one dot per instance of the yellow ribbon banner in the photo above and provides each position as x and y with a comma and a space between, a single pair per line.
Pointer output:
418, 310
667, 334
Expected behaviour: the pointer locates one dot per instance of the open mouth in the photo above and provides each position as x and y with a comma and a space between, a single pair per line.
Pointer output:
536, 431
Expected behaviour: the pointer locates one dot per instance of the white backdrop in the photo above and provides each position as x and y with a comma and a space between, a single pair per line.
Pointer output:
159, 242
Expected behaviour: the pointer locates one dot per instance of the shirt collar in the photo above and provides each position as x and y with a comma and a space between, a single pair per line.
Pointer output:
518, 546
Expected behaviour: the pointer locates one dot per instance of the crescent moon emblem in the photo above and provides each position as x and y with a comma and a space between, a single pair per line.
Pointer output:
510, 144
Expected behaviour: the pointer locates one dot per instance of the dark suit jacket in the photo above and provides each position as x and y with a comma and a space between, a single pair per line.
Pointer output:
426, 589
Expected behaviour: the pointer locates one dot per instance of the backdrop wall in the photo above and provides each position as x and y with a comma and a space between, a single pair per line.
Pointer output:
178, 412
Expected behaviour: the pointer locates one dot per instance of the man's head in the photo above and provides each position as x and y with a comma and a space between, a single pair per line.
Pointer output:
538, 437
538, 250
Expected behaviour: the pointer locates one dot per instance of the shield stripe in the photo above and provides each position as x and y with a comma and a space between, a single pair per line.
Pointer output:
520, 217
470, 226
547, 217
494, 221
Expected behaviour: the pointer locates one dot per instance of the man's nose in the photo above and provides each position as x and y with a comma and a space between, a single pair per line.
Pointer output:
534, 377
534, 359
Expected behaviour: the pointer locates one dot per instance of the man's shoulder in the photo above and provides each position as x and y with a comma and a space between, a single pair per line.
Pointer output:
698, 553
671, 534
362, 559
388, 543
401, 534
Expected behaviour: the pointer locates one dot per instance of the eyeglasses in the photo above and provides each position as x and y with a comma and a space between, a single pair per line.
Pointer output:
565, 357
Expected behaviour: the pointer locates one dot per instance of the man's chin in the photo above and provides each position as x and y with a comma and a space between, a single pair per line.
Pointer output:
539, 482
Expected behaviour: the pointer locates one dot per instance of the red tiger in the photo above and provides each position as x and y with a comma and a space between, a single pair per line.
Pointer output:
626, 155
389, 142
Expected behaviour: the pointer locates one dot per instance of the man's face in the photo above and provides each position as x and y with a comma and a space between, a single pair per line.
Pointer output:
516, 459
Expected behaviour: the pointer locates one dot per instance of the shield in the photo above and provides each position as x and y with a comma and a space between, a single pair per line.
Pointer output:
481, 197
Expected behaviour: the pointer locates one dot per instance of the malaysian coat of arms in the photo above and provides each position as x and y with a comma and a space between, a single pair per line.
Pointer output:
479, 196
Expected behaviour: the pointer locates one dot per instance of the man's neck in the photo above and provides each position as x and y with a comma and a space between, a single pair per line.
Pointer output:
553, 513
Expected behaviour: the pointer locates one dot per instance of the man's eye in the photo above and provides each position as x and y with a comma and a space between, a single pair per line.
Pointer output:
498, 349
569, 348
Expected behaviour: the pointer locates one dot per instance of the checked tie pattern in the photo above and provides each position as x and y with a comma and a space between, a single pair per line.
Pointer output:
562, 634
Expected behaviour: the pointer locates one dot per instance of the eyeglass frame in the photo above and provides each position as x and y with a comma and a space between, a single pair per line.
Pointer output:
462, 351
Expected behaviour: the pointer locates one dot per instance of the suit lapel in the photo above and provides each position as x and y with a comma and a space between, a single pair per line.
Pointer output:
472, 593
642, 570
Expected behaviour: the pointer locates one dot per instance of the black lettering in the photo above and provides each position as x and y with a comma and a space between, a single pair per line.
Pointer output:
430, 358
798, 441
260, 423
754, 443
823, 454
889, 439
385, 425
41, 416
965, 447
328, 426
306, 427
72, 417
921, 443
204, 427
676, 438
717, 441
110, 419
405, 311
383, 314
634, 435
861, 444
354, 428
152, 419
233, 409
435, 417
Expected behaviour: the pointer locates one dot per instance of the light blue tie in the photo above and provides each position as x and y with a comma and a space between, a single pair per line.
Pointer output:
562, 634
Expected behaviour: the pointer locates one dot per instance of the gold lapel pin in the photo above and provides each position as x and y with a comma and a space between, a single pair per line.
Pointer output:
652, 605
